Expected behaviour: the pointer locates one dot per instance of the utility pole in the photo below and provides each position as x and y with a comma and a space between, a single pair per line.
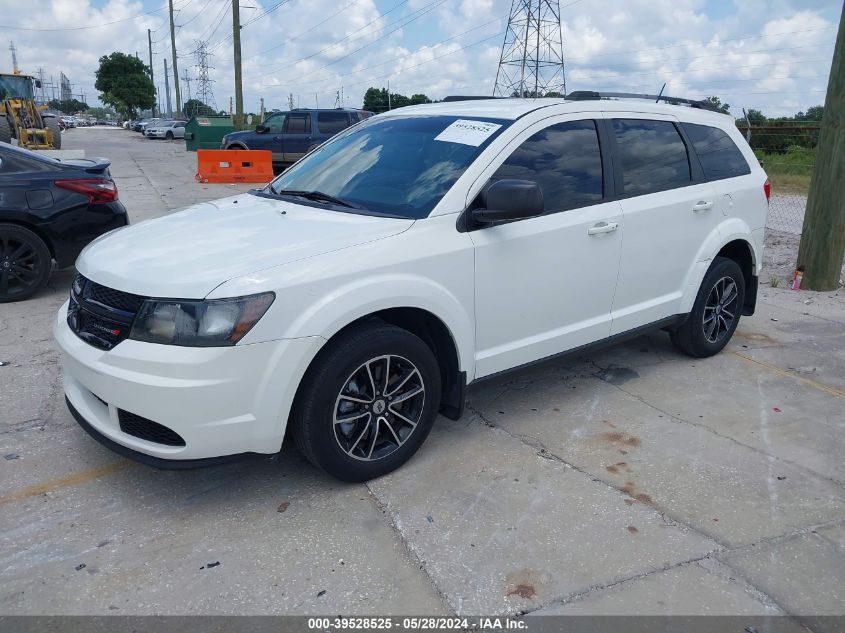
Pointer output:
152, 77
175, 67
236, 42
167, 89
822, 246
14, 57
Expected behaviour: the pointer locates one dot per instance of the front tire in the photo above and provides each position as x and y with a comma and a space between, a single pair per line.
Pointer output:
367, 402
25, 263
715, 313
169, 136
52, 124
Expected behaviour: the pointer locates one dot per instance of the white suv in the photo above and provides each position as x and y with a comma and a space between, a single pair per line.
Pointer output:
359, 293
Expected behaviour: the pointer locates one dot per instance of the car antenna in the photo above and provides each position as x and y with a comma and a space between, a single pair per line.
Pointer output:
660, 94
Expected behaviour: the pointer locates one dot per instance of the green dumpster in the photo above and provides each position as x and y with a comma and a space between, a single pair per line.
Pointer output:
207, 132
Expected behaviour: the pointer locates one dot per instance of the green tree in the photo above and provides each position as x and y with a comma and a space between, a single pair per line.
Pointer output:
195, 107
124, 83
813, 114
376, 100
68, 106
101, 113
724, 108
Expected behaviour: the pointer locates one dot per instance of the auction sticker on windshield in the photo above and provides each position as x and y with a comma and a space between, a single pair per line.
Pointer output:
467, 132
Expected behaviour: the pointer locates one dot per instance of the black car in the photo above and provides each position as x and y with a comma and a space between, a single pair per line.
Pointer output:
49, 211
291, 135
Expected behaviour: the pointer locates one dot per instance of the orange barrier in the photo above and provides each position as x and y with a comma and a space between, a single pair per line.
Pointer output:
234, 165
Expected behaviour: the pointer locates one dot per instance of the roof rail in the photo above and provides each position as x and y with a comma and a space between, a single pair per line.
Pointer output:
589, 95
468, 97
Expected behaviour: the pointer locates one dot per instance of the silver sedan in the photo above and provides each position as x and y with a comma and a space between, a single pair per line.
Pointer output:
168, 130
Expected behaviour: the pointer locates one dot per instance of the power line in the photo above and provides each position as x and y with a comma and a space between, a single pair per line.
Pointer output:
688, 59
427, 61
87, 27
321, 22
421, 12
407, 55
733, 39
196, 15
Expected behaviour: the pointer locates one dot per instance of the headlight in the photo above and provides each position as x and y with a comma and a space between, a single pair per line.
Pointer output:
214, 323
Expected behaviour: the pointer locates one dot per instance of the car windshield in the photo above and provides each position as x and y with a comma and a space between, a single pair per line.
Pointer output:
399, 166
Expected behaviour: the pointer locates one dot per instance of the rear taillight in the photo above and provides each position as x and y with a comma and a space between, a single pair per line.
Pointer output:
767, 189
98, 190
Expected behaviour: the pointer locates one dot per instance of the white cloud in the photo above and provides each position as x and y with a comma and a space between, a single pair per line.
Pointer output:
303, 47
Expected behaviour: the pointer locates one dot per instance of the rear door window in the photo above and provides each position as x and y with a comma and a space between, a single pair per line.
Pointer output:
565, 160
653, 156
719, 156
332, 122
298, 123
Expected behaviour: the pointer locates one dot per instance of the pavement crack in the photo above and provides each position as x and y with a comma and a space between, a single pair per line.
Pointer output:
704, 427
413, 555
541, 451
578, 595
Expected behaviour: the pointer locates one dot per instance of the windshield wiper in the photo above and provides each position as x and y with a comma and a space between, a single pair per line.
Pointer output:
317, 196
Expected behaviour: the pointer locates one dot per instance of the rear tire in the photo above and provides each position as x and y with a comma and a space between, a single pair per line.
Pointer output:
25, 263
5, 129
52, 124
716, 311
367, 402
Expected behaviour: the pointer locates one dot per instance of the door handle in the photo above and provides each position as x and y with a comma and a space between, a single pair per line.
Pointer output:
702, 205
602, 227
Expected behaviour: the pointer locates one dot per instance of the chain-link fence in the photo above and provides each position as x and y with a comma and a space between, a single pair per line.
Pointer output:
787, 151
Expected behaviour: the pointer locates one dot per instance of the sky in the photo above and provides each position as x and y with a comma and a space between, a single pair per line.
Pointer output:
772, 55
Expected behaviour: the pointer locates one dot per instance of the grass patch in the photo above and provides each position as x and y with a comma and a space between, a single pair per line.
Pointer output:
789, 172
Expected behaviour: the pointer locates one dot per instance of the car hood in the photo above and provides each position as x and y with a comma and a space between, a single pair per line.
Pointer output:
188, 254
242, 135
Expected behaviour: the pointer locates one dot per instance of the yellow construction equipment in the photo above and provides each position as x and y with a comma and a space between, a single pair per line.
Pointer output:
20, 118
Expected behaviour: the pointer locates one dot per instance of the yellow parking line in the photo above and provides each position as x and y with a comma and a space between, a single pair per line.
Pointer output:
65, 482
833, 391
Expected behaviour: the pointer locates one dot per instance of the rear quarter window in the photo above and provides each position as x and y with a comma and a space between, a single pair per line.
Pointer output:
719, 156
332, 122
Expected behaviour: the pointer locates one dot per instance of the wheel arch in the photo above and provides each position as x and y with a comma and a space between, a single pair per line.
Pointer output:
434, 332
35, 229
732, 239
742, 252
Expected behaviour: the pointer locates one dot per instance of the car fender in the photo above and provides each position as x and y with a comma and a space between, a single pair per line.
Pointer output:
728, 231
311, 326
330, 313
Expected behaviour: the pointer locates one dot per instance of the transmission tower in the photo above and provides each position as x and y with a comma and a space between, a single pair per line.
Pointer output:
204, 91
531, 64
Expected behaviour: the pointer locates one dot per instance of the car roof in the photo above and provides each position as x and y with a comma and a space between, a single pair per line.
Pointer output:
512, 109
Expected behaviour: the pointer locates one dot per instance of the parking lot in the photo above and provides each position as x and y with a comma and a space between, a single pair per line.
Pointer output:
629, 480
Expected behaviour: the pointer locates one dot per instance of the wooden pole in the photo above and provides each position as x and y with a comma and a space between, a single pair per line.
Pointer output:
175, 66
236, 45
822, 246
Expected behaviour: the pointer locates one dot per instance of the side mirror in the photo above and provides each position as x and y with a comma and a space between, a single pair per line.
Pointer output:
261, 129
507, 200
37, 83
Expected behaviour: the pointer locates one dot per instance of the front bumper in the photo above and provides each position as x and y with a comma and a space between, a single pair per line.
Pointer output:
221, 400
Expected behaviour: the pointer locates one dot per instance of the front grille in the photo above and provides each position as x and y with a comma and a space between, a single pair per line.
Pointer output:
112, 298
101, 316
148, 430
